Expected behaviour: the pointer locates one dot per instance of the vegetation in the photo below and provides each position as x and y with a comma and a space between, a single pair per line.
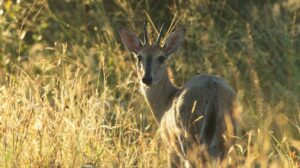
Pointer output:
69, 94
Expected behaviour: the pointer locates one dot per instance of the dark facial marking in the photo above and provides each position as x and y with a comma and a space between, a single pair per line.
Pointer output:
147, 78
148, 66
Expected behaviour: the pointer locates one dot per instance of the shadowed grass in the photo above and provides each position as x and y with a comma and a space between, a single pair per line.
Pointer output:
69, 94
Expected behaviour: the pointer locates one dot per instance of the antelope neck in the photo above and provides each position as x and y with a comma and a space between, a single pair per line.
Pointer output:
159, 96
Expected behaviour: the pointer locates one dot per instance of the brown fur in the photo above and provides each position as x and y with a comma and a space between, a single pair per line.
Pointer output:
197, 120
184, 131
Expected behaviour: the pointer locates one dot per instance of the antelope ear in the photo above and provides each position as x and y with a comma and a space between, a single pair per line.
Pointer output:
130, 40
174, 41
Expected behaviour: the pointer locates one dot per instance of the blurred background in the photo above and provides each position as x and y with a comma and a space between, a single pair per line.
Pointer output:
69, 94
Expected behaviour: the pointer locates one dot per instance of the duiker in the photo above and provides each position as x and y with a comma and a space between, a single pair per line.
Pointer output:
196, 120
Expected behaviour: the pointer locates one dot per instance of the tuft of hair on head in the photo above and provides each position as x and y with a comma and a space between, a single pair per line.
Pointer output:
159, 35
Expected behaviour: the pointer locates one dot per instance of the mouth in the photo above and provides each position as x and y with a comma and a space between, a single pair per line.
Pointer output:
147, 84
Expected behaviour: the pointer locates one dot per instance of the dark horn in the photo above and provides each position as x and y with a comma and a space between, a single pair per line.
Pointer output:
146, 42
160, 34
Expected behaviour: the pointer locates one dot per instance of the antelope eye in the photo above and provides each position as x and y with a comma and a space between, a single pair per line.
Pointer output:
139, 57
161, 59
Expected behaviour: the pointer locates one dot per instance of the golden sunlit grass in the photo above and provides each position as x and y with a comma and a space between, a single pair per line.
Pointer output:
59, 118
76, 101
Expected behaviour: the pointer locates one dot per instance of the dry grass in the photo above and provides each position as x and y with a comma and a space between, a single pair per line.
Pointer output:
71, 97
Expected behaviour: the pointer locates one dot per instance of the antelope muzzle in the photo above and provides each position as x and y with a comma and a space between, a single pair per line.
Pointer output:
147, 80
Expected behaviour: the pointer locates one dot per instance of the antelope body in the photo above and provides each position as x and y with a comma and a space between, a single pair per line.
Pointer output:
195, 120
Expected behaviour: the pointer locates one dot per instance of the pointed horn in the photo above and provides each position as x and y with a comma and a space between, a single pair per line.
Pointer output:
160, 34
146, 42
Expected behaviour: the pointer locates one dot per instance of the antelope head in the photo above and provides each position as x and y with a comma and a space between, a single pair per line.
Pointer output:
151, 58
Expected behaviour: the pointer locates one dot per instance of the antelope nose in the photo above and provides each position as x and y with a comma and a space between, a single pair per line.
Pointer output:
147, 80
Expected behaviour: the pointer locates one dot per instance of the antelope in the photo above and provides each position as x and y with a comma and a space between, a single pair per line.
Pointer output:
196, 120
